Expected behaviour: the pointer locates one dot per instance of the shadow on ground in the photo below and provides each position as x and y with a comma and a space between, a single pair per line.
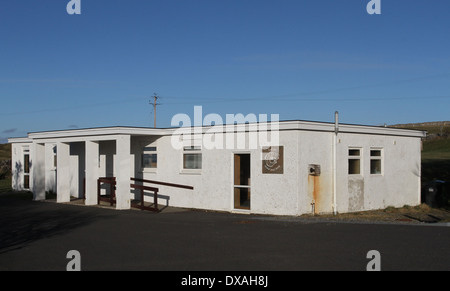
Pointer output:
36, 220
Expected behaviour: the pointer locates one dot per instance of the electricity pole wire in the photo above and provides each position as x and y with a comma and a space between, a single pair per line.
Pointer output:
154, 103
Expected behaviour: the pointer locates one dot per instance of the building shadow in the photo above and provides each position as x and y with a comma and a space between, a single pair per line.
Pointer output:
24, 222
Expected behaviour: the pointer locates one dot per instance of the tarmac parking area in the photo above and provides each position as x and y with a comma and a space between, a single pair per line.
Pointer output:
38, 236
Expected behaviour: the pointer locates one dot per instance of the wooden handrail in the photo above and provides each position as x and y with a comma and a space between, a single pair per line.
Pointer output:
163, 183
155, 197
144, 187
112, 186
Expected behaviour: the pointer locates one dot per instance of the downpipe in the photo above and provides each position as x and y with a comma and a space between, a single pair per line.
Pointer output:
335, 142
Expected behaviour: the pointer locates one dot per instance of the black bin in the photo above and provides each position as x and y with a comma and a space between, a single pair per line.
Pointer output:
434, 193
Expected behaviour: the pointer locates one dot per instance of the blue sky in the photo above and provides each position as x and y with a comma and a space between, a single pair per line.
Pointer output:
301, 59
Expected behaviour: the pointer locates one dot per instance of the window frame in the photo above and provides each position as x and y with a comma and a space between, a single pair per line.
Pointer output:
191, 150
26, 168
376, 158
150, 149
54, 165
355, 157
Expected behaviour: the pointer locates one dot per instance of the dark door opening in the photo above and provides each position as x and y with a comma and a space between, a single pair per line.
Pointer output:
242, 181
26, 171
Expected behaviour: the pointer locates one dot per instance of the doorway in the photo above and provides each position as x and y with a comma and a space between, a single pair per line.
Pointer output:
26, 170
242, 181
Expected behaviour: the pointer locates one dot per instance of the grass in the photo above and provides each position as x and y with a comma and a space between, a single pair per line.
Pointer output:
435, 169
5, 185
432, 128
410, 214
5, 152
6, 191
438, 149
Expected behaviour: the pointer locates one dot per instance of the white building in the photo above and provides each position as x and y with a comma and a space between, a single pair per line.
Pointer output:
317, 168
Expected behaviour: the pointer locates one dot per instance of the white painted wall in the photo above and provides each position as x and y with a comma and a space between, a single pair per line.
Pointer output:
315, 148
17, 164
283, 194
17, 167
50, 169
399, 185
290, 193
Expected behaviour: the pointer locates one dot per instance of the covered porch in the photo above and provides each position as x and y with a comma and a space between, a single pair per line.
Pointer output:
81, 158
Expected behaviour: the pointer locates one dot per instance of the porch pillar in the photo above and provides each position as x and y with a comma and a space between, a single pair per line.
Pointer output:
91, 172
37, 169
122, 170
63, 172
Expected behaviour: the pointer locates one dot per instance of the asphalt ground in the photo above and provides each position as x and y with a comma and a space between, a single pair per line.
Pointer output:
39, 235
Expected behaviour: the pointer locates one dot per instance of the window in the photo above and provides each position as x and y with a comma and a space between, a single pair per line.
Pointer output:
242, 172
375, 161
55, 158
149, 158
192, 157
26, 170
354, 161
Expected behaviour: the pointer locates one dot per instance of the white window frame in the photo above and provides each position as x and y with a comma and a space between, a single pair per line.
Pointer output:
359, 157
380, 158
54, 164
191, 149
26, 151
148, 149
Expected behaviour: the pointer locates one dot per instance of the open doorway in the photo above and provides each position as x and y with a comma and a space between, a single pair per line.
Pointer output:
242, 181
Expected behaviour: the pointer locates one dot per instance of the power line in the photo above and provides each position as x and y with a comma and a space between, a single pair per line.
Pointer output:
299, 97
310, 99
294, 96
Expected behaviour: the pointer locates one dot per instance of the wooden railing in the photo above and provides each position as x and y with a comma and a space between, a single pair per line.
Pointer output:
142, 188
112, 189
155, 191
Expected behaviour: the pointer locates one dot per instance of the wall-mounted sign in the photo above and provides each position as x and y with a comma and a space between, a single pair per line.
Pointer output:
273, 160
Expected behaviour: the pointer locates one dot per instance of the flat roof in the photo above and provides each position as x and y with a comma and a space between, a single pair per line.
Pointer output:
285, 125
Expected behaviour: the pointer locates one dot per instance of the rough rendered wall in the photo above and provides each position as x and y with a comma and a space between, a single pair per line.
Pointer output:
397, 185
17, 167
315, 148
213, 186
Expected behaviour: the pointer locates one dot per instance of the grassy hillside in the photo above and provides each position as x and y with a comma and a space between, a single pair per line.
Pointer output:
436, 160
438, 128
5, 152
436, 149
435, 153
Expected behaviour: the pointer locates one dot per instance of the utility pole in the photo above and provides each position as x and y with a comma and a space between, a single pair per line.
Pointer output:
154, 103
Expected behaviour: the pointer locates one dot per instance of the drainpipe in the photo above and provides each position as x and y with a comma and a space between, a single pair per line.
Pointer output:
335, 142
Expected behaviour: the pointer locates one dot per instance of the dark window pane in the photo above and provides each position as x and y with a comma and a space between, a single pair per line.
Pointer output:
354, 166
26, 181
192, 161
192, 148
375, 166
375, 153
242, 169
149, 160
26, 164
353, 152
242, 198
150, 149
